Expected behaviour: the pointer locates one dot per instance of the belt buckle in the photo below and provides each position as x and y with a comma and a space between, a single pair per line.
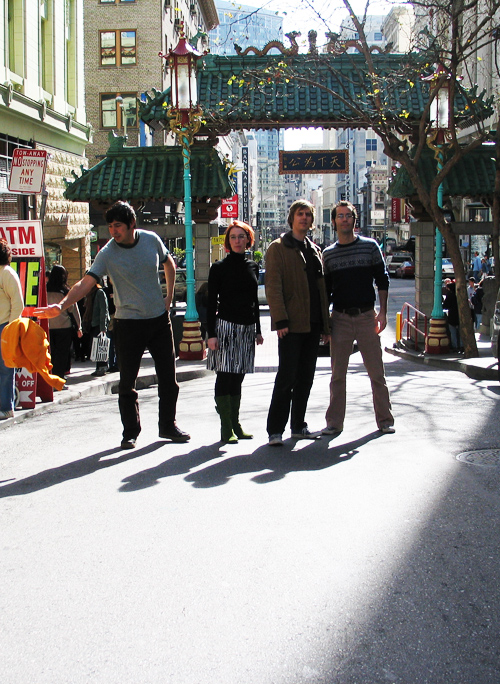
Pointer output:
353, 311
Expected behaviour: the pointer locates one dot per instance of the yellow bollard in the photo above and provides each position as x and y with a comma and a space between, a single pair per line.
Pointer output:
398, 326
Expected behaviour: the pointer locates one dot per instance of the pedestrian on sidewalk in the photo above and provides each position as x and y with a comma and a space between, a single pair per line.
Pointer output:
61, 326
11, 307
96, 320
296, 294
352, 265
132, 258
233, 326
476, 266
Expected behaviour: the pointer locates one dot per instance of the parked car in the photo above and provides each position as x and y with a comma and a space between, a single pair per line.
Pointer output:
180, 284
406, 270
447, 268
394, 261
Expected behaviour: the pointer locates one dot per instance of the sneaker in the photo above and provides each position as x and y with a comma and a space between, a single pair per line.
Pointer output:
174, 434
128, 443
304, 434
331, 431
6, 414
276, 440
387, 429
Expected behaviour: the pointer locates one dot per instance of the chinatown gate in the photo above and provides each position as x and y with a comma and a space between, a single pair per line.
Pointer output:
143, 175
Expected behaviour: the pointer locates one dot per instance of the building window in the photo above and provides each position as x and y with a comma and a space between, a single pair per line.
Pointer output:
118, 48
116, 113
371, 144
377, 36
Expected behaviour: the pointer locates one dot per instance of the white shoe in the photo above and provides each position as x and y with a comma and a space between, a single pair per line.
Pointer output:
6, 414
276, 440
387, 429
304, 434
331, 431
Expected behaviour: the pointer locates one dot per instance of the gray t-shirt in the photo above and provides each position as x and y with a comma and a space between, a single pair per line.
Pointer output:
134, 273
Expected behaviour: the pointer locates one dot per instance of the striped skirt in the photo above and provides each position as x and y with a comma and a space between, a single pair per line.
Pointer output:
236, 352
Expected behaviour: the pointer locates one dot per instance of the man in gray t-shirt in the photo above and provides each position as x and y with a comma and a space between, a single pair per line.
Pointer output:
131, 259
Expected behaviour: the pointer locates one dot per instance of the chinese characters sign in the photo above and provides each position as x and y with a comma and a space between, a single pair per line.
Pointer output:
314, 161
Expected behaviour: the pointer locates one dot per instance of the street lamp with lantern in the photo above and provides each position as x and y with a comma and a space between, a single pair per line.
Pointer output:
437, 341
185, 121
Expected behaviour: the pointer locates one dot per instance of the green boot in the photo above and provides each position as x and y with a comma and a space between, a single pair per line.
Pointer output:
235, 418
223, 404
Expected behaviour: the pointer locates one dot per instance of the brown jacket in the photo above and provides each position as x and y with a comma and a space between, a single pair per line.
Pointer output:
287, 289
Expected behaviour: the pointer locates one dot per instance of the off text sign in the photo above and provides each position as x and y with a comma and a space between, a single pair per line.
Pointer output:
314, 161
28, 170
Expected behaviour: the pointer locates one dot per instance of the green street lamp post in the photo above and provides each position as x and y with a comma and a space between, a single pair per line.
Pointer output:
437, 341
185, 121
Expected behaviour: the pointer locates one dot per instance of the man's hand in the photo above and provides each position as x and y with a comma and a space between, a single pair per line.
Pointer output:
325, 339
380, 322
282, 333
51, 311
259, 339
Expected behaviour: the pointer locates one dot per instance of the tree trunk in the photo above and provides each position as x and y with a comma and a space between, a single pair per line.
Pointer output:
467, 335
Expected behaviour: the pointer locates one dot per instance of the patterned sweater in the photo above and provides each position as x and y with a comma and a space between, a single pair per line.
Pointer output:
351, 270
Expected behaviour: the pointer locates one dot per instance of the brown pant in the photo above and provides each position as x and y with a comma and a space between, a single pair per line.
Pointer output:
345, 330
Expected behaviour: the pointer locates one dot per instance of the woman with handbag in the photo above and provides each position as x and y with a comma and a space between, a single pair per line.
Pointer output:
96, 320
233, 326
60, 328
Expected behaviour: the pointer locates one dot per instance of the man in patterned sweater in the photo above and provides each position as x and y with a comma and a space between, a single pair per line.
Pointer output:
352, 265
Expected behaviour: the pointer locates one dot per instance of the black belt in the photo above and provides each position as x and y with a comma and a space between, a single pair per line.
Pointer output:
355, 310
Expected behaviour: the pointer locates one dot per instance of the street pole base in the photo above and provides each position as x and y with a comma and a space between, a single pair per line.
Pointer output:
437, 341
192, 347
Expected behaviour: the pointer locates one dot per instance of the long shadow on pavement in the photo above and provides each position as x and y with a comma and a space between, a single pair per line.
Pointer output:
276, 461
73, 470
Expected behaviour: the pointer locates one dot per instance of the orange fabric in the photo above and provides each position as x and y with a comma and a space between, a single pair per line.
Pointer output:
24, 345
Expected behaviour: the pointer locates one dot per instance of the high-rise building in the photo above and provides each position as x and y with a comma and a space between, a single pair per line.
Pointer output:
248, 26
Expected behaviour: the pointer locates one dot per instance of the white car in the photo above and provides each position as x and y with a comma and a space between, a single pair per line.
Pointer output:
447, 268
262, 288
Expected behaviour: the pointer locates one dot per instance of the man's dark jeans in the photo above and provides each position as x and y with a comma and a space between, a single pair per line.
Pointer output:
298, 353
132, 337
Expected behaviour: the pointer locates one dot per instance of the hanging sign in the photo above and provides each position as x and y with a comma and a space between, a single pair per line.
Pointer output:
229, 207
314, 161
27, 172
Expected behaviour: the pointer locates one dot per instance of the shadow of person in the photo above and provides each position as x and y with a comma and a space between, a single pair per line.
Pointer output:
277, 462
177, 465
70, 471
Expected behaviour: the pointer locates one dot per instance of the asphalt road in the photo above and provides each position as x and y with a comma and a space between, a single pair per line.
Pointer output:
360, 559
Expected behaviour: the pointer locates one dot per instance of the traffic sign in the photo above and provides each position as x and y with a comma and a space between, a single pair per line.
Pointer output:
27, 172
229, 208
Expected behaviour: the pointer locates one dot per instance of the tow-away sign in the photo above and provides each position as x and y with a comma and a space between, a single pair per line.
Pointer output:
27, 172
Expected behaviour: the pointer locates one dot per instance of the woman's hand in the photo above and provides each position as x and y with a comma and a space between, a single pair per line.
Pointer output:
259, 339
213, 343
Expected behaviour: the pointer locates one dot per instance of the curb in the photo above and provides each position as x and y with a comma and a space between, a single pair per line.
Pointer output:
97, 388
477, 369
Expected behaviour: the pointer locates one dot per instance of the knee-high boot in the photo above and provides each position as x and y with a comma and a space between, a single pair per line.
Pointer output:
223, 404
235, 418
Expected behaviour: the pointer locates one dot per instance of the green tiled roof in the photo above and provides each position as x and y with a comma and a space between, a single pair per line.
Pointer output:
227, 100
473, 176
150, 173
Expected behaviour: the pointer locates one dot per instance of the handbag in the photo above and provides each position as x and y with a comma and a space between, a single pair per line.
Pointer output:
100, 348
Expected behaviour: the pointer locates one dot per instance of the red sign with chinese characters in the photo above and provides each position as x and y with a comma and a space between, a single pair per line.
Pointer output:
229, 207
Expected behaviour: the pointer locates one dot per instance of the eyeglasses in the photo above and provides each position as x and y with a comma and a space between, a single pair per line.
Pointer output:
347, 216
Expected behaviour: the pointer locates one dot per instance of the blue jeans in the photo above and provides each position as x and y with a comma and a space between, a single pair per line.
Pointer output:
132, 337
7, 383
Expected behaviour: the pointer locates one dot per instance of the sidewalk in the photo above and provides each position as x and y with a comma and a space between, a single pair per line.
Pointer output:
485, 367
81, 383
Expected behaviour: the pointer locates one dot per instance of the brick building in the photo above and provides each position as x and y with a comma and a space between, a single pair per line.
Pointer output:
122, 42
